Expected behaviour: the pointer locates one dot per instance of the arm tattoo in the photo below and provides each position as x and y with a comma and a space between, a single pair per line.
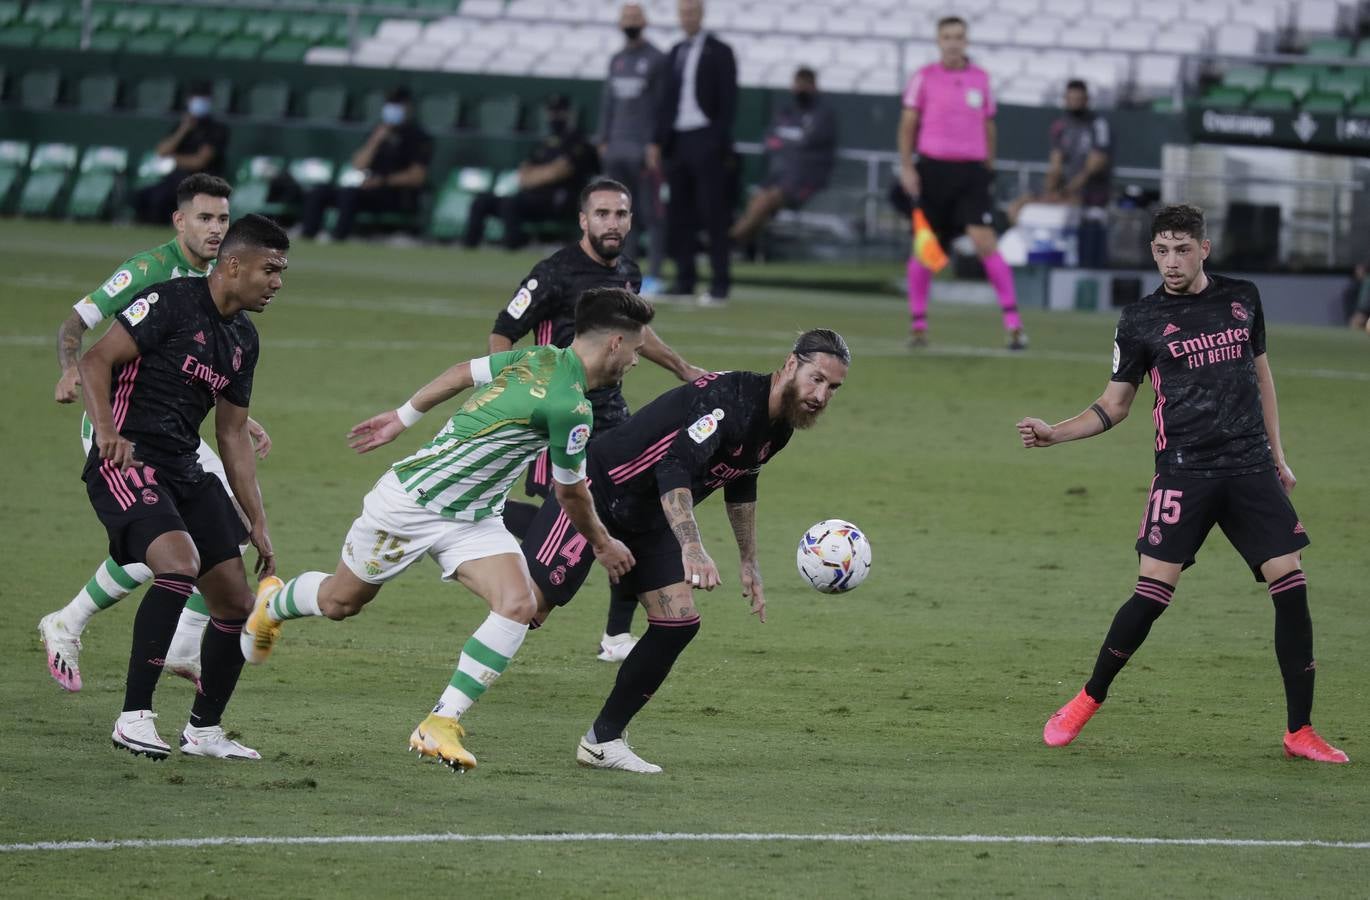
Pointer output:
679, 507
742, 516
1103, 416
69, 341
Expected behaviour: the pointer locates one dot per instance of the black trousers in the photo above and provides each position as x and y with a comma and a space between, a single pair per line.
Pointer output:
698, 175
534, 205
349, 202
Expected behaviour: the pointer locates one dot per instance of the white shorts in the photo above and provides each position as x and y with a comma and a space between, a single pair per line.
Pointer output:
209, 460
394, 531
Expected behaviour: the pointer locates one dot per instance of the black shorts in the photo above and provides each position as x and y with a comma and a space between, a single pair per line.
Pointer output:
1252, 510
141, 505
955, 195
560, 560
794, 192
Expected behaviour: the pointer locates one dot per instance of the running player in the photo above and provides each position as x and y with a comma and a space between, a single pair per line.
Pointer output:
545, 305
715, 432
201, 217
948, 119
1219, 460
445, 500
178, 350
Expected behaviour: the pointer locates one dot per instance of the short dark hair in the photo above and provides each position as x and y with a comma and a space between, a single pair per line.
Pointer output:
200, 88
611, 309
399, 94
950, 20
1180, 218
603, 184
821, 340
804, 73
254, 231
1076, 84
201, 183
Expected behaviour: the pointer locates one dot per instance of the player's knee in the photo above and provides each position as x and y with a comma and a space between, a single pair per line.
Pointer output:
520, 606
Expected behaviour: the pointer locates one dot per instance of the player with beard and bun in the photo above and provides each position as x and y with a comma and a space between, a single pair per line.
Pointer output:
180, 349
715, 432
1219, 461
545, 305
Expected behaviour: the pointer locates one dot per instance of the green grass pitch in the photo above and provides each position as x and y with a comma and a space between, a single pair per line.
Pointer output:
912, 706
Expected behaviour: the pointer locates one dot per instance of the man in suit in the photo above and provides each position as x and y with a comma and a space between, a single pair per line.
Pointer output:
694, 136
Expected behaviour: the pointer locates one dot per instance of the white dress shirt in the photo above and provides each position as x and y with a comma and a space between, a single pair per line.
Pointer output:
688, 116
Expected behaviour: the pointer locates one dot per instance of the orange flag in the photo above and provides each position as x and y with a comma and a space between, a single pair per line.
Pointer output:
926, 248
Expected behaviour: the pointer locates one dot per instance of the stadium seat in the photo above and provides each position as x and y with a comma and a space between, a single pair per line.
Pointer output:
312, 171
1223, 98
1363, 49
44, 15
97, 92
134, 19
438, 113
20, 35
245, 48
177, 20
287, 50
223, 92
1297, 80
268, 100
9, 12
152, 168
265, 25
1248, 78
325, 103
154, 95
221, 23
93, 192
1329, 48
1348, 82
1360, 106
453, 205
197, 45
49, 170
1319, 102
1237, 39
252, 184
14, 159
1317, 17
60, 39
497, 115
1273, 100
38, 88
154, 42
315, 28
366, 108
108, 40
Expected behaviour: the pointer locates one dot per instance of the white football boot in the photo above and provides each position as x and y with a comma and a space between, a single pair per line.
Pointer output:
136, 732
614, 754
64, 651
213, 742
616, 647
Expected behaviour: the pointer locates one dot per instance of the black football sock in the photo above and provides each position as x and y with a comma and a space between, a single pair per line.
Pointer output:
221, 658
153, 627
642, 673
622, 605
1131, 625
1294, 645
518, 516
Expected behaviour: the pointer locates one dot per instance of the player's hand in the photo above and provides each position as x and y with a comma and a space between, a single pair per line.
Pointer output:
69, 385
752, 589
653, 158
1287, 479
118, 450
693, 372
266, 557
261, 441
376, 431
1036, 433
908, 179
700, 571
615, 556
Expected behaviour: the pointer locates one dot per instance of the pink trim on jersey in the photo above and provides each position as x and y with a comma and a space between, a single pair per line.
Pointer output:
650, 457
545, 331
116, 485
548, 551
1158, 411
953, 107
124, 392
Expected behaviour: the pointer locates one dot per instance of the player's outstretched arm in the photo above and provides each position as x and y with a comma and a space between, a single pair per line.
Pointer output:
96, 372
383, 428
579, 507
69, 337
657, 350
1271, 411
700, 571
240, 465
742, 516
1111, 408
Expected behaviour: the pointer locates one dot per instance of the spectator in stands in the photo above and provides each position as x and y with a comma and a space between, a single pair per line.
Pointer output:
1079, 173
694, 138
801, 147
196, 144
549, 180
394, 161
627, 120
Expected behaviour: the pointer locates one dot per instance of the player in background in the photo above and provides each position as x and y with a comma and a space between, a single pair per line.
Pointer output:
715, 432
1219, 460
200, 219
445, 500
948, 120
545, 305
180, 349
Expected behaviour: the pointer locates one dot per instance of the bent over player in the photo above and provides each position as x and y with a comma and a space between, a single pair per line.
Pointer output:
715, 432
1219, 461
178, 350
445, 501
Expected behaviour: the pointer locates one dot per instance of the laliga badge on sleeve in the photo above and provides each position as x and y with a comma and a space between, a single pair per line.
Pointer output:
579, 437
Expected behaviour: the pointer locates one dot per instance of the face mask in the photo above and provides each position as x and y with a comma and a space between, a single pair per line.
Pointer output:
198, 107
632, 32
392, 113
803, 99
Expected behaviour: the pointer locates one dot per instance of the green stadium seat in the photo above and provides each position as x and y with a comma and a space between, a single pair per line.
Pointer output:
312, 171
60, 39
287, 50
93, 192
44, 15
350, 176
314, 28
1223, 98
248, 48
367, 107
506, 183
53, 157
134, 19
105, 160
438, 113
497, 115
108, 40
1273, 100
98, 92
268, 100
1329, 48
1360, 106
222, 23
38, 88
49, 170
391, 4
366, 26
177, 20
196, 45
252, 186
1297, 80
20, 35
1346, 82
325, 103
100, 15
154, 95
152, 169
1248, 78
267, 26
1363, 49
154, 42
453, 205
447, 6
1318, 102
14, 160
222, 98
9, 13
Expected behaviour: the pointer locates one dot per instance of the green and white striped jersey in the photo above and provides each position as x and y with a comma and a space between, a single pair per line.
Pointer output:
525, 400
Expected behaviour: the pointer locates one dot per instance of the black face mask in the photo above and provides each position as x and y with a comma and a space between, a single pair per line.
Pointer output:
804, 99
632, 32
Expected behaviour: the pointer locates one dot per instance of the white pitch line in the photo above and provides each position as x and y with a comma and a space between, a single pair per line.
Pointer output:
676, 837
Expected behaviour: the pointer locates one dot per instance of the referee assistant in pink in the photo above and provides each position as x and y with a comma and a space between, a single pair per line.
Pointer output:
949, 117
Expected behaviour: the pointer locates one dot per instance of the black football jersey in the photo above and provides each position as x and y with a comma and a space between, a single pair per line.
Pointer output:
189, 356
713, 432
1199, 351
545, 304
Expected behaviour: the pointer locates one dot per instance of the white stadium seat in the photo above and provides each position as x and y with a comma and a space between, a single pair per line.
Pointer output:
1236, 39
1316, 17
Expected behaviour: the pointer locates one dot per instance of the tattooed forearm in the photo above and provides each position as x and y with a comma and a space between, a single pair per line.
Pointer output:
680, 512
742, 516
69, 341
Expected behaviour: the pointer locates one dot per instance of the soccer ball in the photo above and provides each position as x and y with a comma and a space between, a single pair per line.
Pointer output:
834, 556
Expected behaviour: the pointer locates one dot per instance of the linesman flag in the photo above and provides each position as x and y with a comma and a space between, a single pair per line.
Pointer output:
926, 248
